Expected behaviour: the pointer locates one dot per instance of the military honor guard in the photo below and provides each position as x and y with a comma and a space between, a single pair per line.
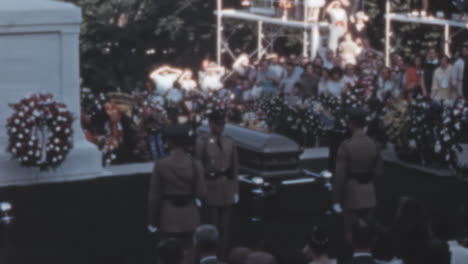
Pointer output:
218, 155
176, 188
358, 164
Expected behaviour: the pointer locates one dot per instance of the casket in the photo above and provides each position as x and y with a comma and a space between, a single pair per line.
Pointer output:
263, 154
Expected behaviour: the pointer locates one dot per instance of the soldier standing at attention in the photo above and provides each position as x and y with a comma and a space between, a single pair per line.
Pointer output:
176, 185
218, 155
358, 164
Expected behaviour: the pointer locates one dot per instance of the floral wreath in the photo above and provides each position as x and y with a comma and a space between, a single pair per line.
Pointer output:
40, 132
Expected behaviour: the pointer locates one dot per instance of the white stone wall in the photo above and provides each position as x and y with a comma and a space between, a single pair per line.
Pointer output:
39, 52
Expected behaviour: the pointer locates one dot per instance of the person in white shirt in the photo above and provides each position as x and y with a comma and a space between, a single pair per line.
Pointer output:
349, 50
441, 82
210, 80
186, 82
288, 81
313, 9
350, 78
329, 59
387, 84
457, 75
338, 24
164, 78
334, 86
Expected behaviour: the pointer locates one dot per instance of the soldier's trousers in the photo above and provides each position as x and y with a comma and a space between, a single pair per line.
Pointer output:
221, 218
351, 216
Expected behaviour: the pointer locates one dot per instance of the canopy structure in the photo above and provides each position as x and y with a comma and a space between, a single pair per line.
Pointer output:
445, 24
268, 29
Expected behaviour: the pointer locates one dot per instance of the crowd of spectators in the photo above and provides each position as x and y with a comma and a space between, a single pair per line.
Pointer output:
409, 240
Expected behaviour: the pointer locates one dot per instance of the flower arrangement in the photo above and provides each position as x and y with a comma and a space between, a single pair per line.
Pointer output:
40, 132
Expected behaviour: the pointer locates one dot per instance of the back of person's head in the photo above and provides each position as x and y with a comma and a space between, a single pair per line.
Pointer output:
318, 241
412, 221
238, 255
169, 252
260, 257
362, 235
429, 252
206, 239
384, 248
462, 223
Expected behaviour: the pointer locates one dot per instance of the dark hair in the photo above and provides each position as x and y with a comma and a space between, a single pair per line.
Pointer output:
362, 235
384, 248
318, 241
412, 222
336, 70
170, 251
206, 238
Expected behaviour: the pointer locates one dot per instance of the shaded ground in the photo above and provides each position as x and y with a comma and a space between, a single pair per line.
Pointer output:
103, 221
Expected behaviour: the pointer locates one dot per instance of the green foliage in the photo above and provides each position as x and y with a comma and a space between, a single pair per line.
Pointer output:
121, 40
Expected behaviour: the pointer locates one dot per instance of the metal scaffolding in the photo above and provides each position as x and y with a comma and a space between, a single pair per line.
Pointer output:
267, 30
445, 24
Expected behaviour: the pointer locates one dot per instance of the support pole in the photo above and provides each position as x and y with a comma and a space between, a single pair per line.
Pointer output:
219, 31
387, 33
305, 41
260, 39
447, 40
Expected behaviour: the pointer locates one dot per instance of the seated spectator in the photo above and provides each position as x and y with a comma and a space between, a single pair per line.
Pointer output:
206, 242
238, 255
459, 246
411, 230
260, 257
169, 252
316, 247
384, 250
362, 240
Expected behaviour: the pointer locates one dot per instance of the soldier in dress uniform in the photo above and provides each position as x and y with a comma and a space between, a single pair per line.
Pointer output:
176, 187
218, 155
358, 164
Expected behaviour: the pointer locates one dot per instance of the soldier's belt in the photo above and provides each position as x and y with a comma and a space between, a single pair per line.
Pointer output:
178, 200
217, 175
362, 177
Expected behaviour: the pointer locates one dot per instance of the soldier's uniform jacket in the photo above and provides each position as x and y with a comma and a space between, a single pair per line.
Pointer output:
359, 155
219, 158
175, 183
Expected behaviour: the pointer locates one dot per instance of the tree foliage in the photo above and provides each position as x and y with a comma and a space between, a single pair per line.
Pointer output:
121, 40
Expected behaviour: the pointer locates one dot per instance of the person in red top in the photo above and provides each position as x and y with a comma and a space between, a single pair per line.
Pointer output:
414, 79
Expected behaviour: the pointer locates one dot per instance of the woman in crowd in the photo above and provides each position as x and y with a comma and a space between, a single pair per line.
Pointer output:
441, 83
387, 83
334, 86
414, 80
350, 78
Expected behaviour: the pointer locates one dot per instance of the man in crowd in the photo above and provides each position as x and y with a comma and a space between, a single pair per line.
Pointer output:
362, 242
358, 163
206, 241
170, 251
429, 66
218, 155
460, 73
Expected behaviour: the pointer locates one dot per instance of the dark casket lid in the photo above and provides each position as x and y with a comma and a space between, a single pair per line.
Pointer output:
257, 141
